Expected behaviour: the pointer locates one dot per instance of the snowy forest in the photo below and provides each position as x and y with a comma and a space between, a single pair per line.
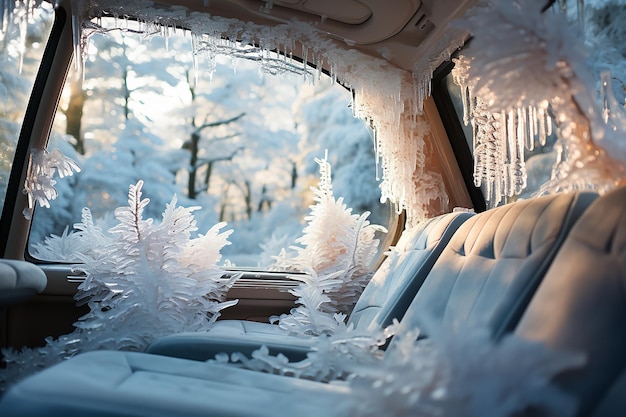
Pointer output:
240, 144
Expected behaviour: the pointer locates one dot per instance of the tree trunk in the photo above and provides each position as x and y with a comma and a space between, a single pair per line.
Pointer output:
207, 174
294, 175
193, 169
248, 198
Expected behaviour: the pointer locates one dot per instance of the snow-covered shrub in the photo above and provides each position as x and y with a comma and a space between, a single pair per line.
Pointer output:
337, 253
143, 280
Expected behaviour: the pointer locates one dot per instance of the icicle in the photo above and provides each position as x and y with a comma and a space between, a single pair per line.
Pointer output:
532, 125
548, 125
195, 52
543, 128
605, 91
18, 13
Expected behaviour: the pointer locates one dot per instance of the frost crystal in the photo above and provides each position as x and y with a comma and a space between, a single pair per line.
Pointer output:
337, 254
43, 166
521, 67
438, 377
142, 280
332, 357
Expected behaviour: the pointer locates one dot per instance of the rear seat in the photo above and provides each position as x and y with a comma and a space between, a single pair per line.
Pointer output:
581, 307
490, 269
486, 274
387, 296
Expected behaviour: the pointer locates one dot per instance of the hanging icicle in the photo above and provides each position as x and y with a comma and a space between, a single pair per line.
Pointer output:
523, 66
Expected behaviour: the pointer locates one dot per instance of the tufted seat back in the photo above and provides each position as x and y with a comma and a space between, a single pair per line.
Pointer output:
581, 306
391, 290
493, 264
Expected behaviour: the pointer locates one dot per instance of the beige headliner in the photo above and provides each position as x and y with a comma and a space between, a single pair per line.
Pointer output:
402, 30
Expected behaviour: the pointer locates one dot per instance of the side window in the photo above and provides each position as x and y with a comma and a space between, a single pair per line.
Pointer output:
239, 144
21, 50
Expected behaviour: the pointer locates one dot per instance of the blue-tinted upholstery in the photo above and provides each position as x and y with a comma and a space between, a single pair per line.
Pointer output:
19, 280
491, 267
581, 306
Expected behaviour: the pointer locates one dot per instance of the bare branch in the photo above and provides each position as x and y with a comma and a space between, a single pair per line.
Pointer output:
218, 123
204, 161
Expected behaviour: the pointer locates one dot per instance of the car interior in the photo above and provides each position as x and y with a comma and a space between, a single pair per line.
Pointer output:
174, 241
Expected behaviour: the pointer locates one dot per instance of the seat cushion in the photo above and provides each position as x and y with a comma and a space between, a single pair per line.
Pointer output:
115, 384
581, 305
386, 297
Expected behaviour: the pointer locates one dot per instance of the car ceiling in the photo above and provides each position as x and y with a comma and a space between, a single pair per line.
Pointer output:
401, 31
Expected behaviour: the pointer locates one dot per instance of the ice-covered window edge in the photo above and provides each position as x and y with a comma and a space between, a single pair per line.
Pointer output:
382, 92
395, 89
537, 61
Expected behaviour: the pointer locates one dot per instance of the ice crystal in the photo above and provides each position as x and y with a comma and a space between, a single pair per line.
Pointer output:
43, 166
332, 357
337, 252
437, 377
143, 280
17, 13
500, 138
523, 65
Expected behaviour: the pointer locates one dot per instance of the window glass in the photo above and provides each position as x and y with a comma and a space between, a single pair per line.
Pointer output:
239, 143
21, 50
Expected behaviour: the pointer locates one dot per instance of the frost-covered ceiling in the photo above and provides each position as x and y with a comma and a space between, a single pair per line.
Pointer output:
401, 31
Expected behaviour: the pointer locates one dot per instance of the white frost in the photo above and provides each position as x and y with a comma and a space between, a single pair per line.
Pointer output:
143, 279
337, 250
43, 166
523, 71
463, 374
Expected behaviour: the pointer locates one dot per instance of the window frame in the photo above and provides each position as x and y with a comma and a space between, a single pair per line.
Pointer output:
33, 126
